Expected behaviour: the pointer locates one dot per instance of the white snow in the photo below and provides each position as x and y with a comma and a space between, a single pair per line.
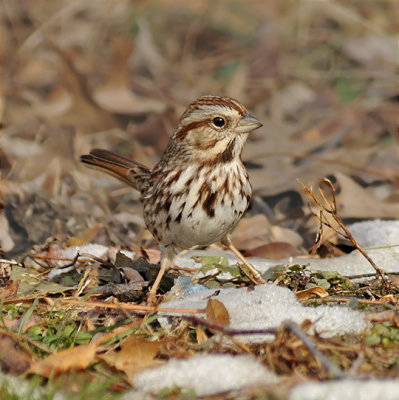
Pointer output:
206, 374
351, 389
267, 306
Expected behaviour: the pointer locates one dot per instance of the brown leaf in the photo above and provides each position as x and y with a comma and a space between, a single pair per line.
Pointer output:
12, 361
201, 335
135, 355
58, 102
355, 202
216, 312
311, 292
84, 237
115, 95
252, 232
79, 357
276, 250
10, 290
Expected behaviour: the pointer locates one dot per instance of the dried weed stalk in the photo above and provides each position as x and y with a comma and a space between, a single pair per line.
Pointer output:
326, 208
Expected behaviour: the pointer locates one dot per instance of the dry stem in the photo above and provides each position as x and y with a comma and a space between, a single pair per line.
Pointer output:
330, 207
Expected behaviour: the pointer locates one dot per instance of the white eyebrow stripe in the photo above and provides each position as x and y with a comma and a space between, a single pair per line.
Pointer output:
216, 109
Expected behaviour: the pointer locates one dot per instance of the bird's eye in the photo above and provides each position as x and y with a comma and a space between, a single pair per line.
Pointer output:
219, 122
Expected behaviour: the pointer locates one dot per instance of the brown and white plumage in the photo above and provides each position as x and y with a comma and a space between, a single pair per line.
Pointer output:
200, 189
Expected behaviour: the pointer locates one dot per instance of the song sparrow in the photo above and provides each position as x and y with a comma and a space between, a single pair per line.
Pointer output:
200, 189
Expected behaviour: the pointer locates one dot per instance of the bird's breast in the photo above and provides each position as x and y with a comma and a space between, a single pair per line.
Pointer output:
197, 206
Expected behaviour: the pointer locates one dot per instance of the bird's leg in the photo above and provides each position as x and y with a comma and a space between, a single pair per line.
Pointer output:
257, 278
167, 256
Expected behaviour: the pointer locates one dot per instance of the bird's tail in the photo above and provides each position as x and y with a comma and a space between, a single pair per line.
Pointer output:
127, 171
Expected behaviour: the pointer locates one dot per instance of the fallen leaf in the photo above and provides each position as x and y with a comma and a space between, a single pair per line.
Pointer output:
201, 335
311, 292
153, 255
10, 290
84, 237
355, 202
58, 102
276, 250
79, 357
252, 232
30, 281
115, 95
12, 361
136, 354
216, 312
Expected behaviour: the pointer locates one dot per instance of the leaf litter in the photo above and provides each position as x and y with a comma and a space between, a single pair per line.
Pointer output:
328, 111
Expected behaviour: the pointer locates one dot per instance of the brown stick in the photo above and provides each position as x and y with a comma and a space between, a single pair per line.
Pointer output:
330, 207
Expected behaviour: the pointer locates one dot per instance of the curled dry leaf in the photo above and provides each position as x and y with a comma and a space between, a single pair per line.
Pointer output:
12, 360
216, 312
316, 291
79, 357
201, 335
135, 355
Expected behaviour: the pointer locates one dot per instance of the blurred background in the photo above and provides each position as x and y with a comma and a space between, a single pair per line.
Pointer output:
320, 75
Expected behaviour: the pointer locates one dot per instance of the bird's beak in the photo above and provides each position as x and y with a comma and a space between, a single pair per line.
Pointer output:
248, 124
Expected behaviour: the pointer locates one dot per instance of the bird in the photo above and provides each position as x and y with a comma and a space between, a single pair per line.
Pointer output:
199, 190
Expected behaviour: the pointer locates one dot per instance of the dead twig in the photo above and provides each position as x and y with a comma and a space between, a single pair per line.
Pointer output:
333, 370
329, 207
226, 330
131, 307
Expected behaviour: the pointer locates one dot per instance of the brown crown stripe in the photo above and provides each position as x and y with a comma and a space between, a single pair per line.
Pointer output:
219, 101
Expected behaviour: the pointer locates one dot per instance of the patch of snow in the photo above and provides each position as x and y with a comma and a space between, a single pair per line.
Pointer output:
205, 374
350, 389
268, 306
376, 233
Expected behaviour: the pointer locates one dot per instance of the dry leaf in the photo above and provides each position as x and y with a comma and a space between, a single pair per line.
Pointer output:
201, 335
84, 237
252, 232
12, 360
276, 250
135, 355
57, 103
79, 357
216, 312
311, 292
281, 234
153, 255
9, 290
115, 95
355, 202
